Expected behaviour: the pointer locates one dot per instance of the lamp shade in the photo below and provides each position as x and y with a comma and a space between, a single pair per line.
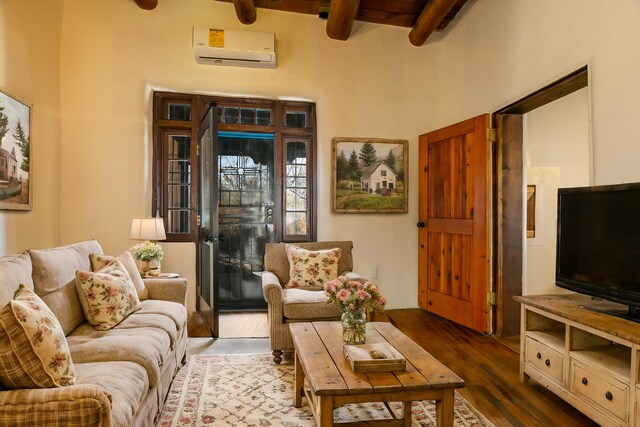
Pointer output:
147, 229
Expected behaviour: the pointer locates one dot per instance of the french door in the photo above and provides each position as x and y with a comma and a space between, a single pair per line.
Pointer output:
208, 237
239, 178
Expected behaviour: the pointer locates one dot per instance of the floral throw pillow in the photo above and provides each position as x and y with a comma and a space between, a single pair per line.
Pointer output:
107, 296
33, 348
311, 268
99, 261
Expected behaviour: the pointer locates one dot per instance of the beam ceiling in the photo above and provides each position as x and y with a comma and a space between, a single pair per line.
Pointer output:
422, 16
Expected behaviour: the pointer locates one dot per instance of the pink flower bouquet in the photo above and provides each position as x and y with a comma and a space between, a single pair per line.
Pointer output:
354, 295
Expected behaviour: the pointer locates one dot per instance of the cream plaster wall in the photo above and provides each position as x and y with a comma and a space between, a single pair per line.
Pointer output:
557, 154
30, 34
374, 85
115, 54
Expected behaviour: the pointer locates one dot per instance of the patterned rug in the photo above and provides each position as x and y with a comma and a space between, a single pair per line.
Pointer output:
250, 390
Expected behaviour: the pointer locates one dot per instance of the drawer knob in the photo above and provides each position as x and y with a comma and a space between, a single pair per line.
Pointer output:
547, 362
585, 381
538, 355
608, 395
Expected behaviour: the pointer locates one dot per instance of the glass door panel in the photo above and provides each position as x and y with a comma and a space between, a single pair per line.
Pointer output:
245, 217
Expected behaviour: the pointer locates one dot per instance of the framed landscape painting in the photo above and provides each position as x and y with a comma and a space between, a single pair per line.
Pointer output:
370, 175
15, 153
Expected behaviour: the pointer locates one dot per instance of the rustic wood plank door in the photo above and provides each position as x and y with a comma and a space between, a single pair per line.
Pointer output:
454, 208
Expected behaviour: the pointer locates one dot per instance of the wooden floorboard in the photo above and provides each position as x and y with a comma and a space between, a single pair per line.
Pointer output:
490, 370
232, 325
243, 325
489, 367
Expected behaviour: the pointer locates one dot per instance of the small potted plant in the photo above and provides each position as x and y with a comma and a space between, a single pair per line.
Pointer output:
146, 253
354, 297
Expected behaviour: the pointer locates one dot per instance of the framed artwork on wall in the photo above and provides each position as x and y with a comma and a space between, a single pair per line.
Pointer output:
370, 175
15, 153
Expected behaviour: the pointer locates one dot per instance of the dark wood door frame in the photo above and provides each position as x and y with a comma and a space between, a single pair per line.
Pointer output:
508, 182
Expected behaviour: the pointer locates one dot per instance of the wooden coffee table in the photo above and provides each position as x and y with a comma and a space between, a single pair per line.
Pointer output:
323, 375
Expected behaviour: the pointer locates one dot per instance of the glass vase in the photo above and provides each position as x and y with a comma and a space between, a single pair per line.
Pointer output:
354, 327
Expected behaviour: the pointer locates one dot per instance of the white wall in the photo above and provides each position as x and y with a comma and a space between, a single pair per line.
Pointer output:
556, 155
29, 69
500, 50
374, 85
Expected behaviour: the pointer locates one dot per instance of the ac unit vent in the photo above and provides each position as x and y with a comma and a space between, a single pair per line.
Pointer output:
236, 48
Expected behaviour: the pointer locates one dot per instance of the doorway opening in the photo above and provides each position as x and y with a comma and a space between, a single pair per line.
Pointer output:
245, 217
511, 176
230, 175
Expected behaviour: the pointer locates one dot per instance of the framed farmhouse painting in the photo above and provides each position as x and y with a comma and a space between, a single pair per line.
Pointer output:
370, 175
15, 153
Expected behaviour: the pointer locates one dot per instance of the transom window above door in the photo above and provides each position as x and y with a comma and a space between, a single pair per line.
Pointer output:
176, 119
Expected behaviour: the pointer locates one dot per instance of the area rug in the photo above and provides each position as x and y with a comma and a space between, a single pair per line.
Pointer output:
250, 390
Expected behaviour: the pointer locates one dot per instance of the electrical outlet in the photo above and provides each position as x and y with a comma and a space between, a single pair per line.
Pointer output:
373, 272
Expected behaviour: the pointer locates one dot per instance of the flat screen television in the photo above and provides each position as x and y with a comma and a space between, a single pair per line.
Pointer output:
598, 244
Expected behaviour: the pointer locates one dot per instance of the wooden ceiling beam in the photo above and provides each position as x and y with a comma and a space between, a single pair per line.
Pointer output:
342, 15
147, 4
246, 11
432, 14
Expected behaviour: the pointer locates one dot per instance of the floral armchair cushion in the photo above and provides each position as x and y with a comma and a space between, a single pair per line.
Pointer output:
107, 296
311, 268
33, 348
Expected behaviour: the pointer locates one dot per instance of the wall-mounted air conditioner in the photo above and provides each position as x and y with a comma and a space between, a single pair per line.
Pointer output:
238, 48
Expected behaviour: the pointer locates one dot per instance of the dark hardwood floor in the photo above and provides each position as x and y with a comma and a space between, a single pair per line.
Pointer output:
490, 370
488, 366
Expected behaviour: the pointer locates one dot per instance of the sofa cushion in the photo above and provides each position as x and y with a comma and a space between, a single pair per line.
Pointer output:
33, 349
107, 296
148, 347
302, 304
150, 320
311, 268
99, 261
54, 279
14, 270
126, 382
173, 310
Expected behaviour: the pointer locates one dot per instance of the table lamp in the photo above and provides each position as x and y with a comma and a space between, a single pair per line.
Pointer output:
150, 230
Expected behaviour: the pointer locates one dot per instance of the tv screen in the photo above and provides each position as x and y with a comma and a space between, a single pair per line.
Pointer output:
598, 244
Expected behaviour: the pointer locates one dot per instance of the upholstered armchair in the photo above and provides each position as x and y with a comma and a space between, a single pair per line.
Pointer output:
287, 305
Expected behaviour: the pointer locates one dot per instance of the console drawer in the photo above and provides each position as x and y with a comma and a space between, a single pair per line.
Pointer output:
544, 358
600, 388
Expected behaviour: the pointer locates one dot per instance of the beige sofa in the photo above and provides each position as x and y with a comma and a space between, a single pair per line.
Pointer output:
122, 374
297, 305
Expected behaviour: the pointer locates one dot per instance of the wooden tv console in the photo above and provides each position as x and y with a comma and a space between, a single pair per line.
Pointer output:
589, 359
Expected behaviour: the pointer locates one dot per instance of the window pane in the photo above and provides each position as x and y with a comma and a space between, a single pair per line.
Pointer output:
296, 189
180, 112
178, 183
248, 116
231, 115
296, 199
296, 223
296, 119
178, 221
220, 115
263, 117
